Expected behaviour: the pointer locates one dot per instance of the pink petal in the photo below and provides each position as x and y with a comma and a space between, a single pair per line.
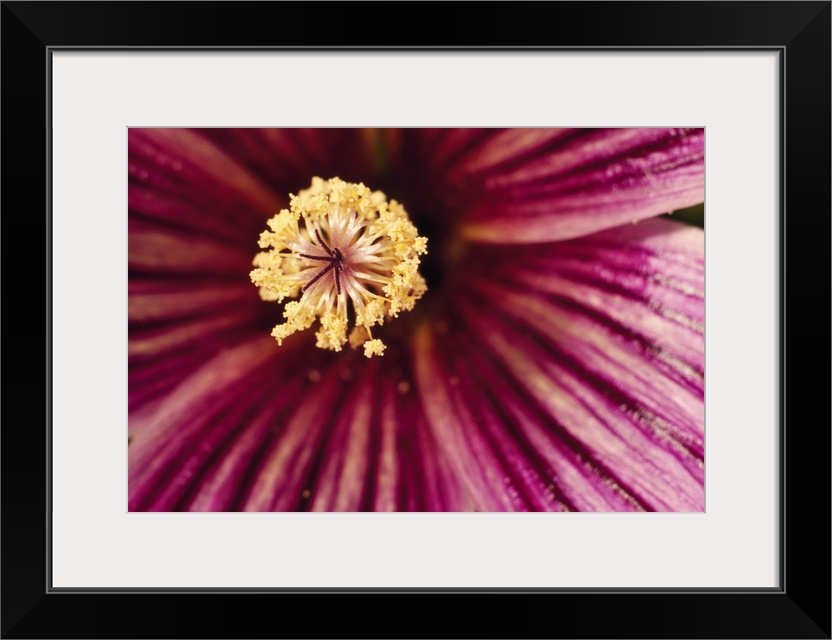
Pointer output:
176, 324
287, 159
166, 208
161, 251
265, 429
149, 380
179, 162
356, 442
646, 279
159, 342
569, 184
154, 301
208, 398
491, 460
595, 375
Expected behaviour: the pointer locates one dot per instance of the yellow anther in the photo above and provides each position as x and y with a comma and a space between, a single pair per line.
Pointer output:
339, 245
374, 347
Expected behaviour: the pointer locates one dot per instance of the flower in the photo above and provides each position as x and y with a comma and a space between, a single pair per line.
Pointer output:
554, 362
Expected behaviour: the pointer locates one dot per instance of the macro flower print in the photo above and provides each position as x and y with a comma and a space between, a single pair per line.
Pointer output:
415, 320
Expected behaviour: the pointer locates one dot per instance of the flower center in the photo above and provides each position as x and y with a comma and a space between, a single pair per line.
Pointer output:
335, 259
346, 252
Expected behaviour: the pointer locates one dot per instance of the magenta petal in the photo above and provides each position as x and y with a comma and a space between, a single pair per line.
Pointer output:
210, 398
286, 159
510, 452
650, 457
157, 342
356, 441
167, 208
172, 331
499, 152
645, 281
624, 345
346, 453
260, 430
282, 477
596, 374
179, 161
497, 464
576, 185
166, 300
160, 251
224, 484
148, 381
412, 471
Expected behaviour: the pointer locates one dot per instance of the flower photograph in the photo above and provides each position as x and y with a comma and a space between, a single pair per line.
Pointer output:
453, 320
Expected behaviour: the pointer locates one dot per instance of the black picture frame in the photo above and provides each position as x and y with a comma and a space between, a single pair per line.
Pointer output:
798, 608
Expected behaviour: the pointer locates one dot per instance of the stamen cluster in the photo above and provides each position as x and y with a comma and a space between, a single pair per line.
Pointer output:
349, 254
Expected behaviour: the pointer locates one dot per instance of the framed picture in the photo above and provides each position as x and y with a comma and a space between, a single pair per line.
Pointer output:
481, 285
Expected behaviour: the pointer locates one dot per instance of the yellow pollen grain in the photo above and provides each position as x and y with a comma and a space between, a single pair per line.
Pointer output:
340, 251
374, 347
